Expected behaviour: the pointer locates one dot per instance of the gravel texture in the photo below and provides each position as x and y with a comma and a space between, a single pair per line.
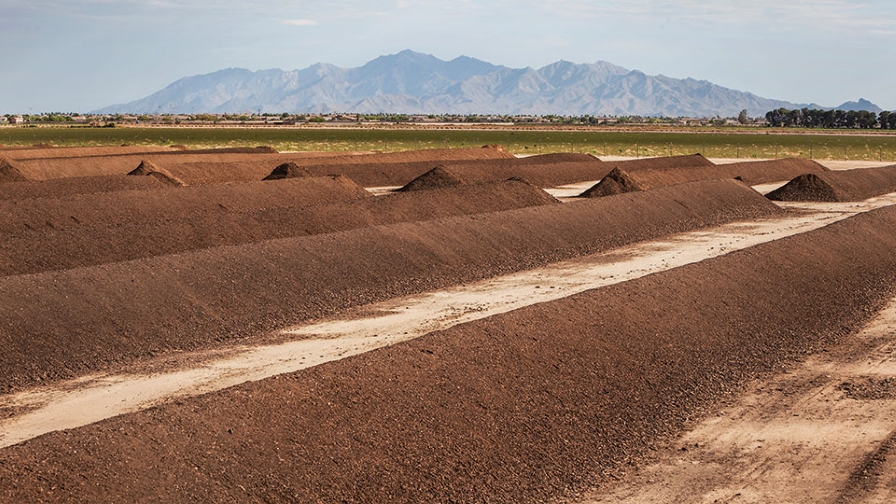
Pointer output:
530, 406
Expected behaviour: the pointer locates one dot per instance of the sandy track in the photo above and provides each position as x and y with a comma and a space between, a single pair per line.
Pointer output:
819, 432
89, 399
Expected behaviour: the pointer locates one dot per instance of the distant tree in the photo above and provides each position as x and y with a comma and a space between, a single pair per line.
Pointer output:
887, 119
742, 117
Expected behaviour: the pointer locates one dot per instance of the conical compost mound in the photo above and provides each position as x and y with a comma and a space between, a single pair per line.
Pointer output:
807, 187
616, 182
439, 177
288, 170
9, 173
149, 169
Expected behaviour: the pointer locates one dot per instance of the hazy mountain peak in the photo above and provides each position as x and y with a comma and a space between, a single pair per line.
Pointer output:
413, 82
862, 104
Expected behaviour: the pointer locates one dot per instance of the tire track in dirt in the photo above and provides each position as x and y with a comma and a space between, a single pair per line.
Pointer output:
798, 437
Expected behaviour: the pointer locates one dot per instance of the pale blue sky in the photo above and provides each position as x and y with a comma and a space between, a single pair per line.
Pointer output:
79, 55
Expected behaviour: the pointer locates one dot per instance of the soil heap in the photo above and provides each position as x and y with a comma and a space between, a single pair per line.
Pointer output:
616, 182
9, 173
148, 169
288, 170
439, 177
838, 186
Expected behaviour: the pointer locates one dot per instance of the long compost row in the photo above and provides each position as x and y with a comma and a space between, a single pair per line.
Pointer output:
61, 323
99, 273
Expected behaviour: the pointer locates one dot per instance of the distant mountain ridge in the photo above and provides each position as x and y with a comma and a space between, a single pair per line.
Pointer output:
415, 83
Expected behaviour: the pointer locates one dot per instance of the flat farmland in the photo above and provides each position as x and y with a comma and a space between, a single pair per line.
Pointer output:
443, 324
747, 143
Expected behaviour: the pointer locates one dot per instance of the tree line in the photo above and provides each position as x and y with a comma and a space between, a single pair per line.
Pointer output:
832, 119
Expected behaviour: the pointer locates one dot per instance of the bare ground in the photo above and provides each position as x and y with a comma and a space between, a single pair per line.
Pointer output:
96, 397
822, 431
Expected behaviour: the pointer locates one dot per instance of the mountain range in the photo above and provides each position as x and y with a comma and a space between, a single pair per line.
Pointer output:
415, 83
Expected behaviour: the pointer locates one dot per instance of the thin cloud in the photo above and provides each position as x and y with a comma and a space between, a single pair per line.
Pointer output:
874, 15
301, 22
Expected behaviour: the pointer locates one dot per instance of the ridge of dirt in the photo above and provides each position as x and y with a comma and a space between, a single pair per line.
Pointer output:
130, 207
24, 153
752, 173
558, 157
774, 167
663, 163
544, 171
148, 383
94, 243
533, 405
238, 165
64, 188
839, 186
61, 324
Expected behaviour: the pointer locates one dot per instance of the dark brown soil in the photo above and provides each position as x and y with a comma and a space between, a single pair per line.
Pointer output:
808, 187
558, 158
148, 169
63, 188
61, 324
21, 153
616, 182
529, 406
150, 206
751, 173
869, 388
833, 186
288, 170
439, 177
544, 171
390, 169
661, 163
224, 165
774, 170
90, 244
9, 173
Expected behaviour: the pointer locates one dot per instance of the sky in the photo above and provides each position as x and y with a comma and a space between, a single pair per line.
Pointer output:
81, 55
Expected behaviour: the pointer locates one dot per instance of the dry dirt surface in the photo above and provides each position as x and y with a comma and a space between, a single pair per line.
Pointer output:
823, 430
69, 244
58, 188
232, 165
530, 405
59, 324
473, 342
752, 173
847, 185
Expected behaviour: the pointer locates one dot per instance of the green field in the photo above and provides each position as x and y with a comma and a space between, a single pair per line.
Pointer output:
757, 144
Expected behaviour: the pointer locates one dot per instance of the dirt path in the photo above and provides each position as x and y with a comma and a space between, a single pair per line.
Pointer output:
822, 432
79, 402
570, 190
